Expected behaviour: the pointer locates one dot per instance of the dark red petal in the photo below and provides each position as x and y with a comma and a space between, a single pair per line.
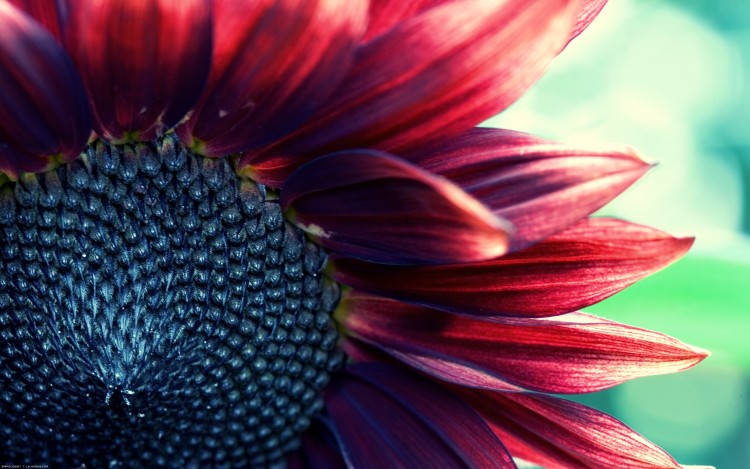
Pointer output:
50, 13
588, 10
557, 433
376, 207
385, 417
433, 76
385, 14
275, 62
144, 62
319, 449
43, 108
540, 186
13, 162
573, 353
571, 270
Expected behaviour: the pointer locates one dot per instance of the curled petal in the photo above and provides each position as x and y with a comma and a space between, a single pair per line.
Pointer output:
573, 353
43, 108
571, 270
558, 433
541, 187
274, 63
144, 62
431, 77
376, 207
385, 417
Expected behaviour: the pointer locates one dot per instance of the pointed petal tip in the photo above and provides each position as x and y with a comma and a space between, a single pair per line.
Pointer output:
574, 269
528, 180
377, 208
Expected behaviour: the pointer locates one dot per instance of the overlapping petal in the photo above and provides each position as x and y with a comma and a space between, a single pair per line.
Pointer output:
385, 417
541, 187
557, 433
274, 63
386, 14
458, 64
43, 107
50, 13
373, 206
573, 353
576, 268
144, 62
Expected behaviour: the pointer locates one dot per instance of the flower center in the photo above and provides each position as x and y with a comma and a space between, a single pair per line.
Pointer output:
157, 310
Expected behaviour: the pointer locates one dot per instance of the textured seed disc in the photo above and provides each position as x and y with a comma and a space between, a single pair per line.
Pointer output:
156, 311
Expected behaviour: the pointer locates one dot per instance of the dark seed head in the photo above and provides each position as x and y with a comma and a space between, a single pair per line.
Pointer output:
156, 311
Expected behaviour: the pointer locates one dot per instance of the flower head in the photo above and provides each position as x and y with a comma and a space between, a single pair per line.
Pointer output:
257, 232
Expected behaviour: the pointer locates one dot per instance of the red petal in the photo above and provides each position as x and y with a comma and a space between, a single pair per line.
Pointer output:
588, 10
50, 13
574, 269
557, 433
376, 207
385, 14
435, 75
43, 108
274, 63
574, 353
540, 186
144, 63
385, 417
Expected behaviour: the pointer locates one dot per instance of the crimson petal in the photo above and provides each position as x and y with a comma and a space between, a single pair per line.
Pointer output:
571, 270
540, 186
376, 207
574, 353
431, 77
274, 63
557, 433
43, 107
385, 14
144, 63
385, 417
50, 13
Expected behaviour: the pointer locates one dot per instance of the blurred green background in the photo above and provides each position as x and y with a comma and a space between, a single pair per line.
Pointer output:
672, 78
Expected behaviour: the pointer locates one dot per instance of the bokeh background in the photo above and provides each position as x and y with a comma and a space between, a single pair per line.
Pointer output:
672, 78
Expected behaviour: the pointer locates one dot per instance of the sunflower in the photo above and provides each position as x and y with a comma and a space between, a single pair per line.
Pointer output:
260, 233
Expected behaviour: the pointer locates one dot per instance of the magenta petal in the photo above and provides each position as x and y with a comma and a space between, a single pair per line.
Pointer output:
144, 62
557, 433
376, 207
275, 62
50, 13
43, 108
571, 270
385, 417
386, 14
573, 353
433, 76
541, 187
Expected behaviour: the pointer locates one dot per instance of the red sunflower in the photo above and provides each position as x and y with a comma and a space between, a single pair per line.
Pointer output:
263, 232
